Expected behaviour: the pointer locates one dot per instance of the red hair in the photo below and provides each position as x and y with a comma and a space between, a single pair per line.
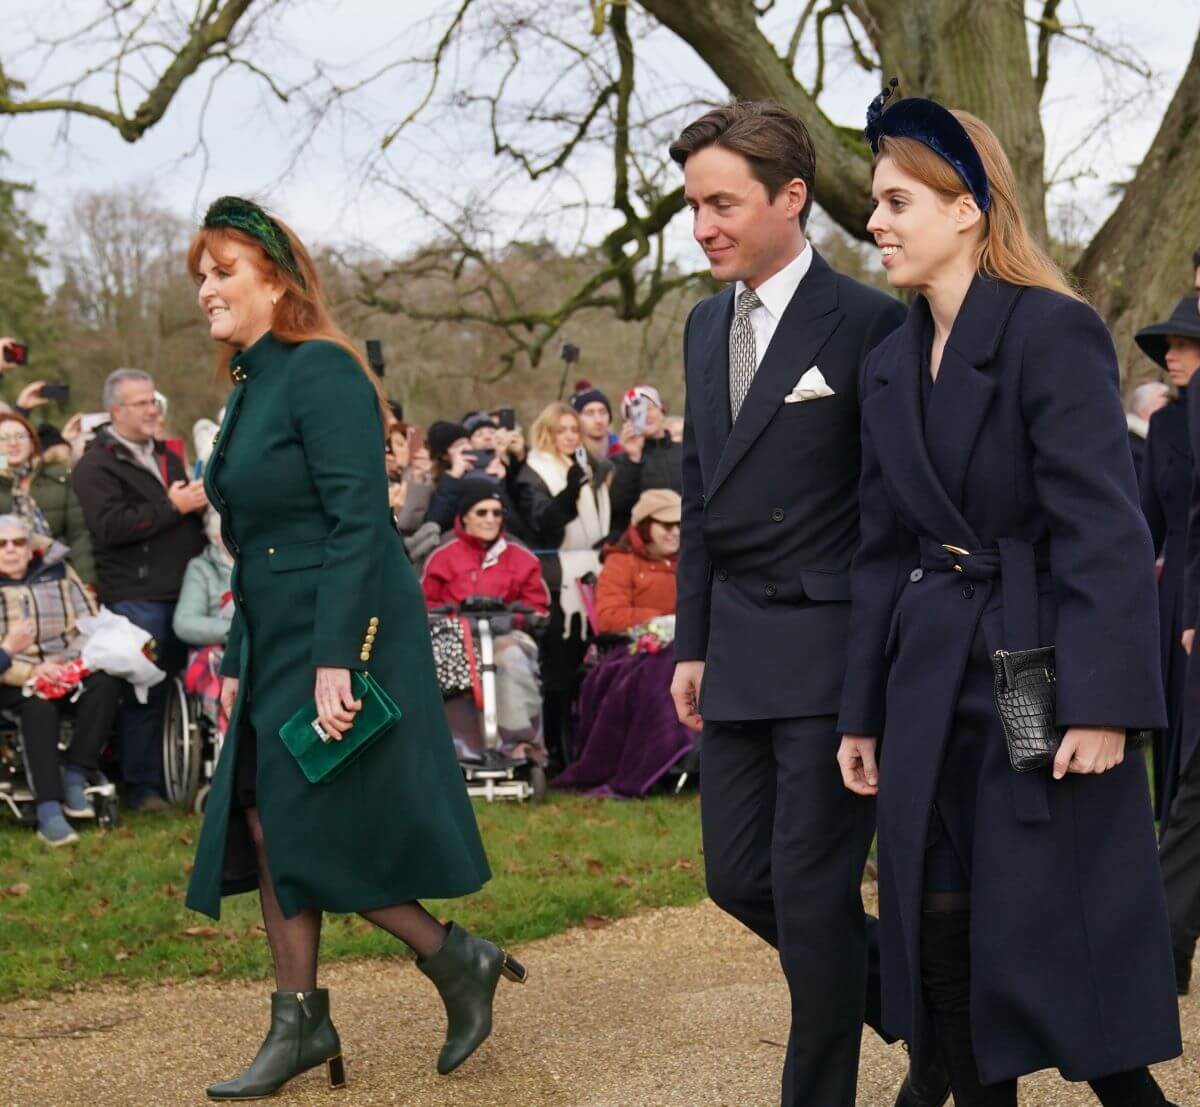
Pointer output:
302, 313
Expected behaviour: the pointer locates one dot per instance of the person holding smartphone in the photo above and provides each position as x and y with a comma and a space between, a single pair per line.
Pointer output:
410, 475
650, 457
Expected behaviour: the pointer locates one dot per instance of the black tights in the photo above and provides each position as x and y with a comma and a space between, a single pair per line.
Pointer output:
946, 977
295, 942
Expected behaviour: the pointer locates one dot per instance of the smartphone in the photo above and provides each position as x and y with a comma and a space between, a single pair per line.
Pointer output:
375, 355
57, 393
481, 459
92, 421
16, 353
506, 417
582, 459
416, 440
637, 414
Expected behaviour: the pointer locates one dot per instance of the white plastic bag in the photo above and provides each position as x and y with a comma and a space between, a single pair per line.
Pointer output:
116, 646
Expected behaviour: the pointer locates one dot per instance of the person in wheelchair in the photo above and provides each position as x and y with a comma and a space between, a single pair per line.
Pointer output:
481, 560
46, 590
202, 619
629, 734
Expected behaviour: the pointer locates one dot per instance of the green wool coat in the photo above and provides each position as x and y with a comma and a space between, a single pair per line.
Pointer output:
322, 579
52, 492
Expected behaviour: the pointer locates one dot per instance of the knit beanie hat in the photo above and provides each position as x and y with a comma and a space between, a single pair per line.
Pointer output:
647, 392
476, 419
586, 394
442, 435
475, 490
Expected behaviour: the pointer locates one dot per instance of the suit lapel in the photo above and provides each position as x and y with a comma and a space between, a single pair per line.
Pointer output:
810, 318
715, 343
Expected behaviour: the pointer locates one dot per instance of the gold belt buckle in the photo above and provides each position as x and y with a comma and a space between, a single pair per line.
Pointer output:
958, 551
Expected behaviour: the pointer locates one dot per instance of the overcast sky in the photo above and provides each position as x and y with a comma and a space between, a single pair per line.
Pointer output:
250, 141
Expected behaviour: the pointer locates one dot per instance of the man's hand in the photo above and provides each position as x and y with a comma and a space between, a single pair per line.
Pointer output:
5, 364
685, 691
21, 635
460, 464
31, 396
229, 694
856, 759
336, 705
497, 469
1089, 749
1187, 639
187, 496
632, 443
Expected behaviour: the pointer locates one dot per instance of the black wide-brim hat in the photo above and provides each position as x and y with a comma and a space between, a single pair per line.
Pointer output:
1184, 322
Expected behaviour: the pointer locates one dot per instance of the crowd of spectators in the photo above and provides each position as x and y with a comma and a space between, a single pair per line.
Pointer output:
576, 523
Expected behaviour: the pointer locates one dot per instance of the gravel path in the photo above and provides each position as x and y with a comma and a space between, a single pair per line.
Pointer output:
673, 1007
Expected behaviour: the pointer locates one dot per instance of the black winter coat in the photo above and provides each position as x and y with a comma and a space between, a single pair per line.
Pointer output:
661, 467
141, 543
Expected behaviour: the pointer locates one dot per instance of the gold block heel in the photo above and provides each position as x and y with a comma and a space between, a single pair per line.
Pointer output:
513, 969
337, 1071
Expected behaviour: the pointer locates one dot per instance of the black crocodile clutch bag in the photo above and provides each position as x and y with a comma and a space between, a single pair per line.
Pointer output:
1023, 690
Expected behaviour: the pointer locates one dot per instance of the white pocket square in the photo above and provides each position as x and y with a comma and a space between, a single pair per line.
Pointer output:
811, 386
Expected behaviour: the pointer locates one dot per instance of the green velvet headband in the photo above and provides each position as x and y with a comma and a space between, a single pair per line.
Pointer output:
247, 217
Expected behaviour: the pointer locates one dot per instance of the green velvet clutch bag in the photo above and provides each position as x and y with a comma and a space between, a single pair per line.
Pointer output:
322, 757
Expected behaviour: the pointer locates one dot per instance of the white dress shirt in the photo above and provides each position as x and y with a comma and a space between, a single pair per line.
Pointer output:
775, 293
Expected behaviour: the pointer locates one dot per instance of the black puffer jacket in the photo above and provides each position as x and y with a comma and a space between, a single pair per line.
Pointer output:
141, 543
661, 467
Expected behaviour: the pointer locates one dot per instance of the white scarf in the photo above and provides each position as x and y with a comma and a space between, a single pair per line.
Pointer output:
591, 525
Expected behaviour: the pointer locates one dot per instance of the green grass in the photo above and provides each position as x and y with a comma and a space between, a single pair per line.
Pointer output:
111, 907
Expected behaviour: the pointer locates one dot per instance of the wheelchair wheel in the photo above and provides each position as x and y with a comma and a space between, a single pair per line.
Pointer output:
537, 781
182, 750
201, 799
106, 812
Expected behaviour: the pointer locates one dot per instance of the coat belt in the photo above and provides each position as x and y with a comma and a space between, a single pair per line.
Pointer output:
1016, 564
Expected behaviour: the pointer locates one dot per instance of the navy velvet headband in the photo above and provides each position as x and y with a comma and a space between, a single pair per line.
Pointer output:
931, 125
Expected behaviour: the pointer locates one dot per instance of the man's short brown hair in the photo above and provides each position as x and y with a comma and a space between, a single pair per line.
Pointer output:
775, 143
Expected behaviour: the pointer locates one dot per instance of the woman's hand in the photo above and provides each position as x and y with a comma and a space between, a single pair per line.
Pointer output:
229, 694
632, 443
1089, 749
21, 635
421, 468
460, 464
336, 705
51, 670
1186, 640
856, 759
31, 396
397, 494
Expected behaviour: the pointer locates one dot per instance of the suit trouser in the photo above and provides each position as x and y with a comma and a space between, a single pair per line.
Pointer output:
785, 844
1179, 855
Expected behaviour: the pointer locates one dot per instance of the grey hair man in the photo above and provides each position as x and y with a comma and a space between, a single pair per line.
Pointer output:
144, 515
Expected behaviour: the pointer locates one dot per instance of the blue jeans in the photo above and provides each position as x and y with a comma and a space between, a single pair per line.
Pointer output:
140, 726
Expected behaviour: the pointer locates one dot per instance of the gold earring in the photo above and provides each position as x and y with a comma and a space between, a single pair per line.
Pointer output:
274, 300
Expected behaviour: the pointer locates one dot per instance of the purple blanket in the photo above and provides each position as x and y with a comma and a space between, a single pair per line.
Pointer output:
629, 735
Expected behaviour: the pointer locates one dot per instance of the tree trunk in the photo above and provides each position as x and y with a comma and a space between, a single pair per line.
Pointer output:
974, 57
1140, 263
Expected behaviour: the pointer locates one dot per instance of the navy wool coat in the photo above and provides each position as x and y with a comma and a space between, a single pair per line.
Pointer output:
1021, 459
1166, 487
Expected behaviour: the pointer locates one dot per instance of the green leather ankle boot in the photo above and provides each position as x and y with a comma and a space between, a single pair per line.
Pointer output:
465, 972
301, 1037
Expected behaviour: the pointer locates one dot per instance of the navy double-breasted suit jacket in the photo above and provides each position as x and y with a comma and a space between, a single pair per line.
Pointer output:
1020, 449
770, 514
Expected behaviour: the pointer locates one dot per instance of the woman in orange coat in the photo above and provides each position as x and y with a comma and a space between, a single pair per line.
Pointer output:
629, 736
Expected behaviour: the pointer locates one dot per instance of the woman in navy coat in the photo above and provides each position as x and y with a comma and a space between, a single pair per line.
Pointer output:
1022, 916
1166, 488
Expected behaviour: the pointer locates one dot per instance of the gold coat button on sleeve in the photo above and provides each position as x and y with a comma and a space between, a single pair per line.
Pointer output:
373, 621
364, 656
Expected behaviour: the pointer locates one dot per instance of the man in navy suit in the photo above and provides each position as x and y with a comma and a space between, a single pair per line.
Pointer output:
770, 521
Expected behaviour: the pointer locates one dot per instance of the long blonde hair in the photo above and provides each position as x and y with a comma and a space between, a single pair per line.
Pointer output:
545, 427
1006, 251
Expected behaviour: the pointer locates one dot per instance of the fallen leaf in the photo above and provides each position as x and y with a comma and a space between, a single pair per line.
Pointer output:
98, 909
623, 882
215, 967
186, 840
122, 955
187, 866
123, 832
17, 889
683, 864
594, 866
171, 890
201, 931
595, 922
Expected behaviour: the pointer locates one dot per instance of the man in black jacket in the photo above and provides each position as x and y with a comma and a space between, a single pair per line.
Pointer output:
145, 520
771, 460
649, 458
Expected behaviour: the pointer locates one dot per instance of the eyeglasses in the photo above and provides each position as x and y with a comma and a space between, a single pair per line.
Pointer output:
13, 439
16, 543
485, 512
140, 404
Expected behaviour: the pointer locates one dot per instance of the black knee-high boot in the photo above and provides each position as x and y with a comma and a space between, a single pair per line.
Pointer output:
1135, 1088
946, 979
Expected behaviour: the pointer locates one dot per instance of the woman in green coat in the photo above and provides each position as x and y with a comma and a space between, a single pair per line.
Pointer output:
322, 587
41, 494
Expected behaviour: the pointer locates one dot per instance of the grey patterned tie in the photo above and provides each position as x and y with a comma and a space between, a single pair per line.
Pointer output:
743, 358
